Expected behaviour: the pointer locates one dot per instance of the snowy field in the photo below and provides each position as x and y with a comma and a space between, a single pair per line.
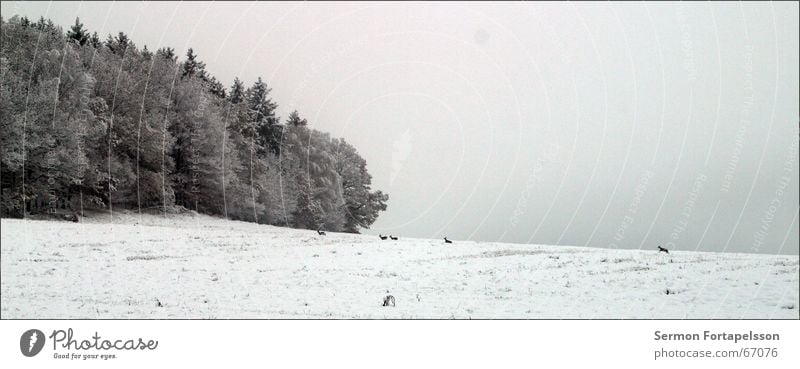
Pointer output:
202, 267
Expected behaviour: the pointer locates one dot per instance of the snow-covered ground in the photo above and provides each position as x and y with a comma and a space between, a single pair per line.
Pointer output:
195, 266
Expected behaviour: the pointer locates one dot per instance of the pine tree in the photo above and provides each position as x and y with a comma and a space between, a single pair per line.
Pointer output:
167, 53
94, 40
41, 24
193, 67
77, 33
146, 54
262, 114
295, 120
216, 88
122, 43
237, 91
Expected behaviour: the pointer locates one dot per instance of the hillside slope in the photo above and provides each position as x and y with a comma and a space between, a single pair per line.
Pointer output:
201, 267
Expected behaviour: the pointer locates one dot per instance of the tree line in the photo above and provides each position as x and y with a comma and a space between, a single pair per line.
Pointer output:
87, 123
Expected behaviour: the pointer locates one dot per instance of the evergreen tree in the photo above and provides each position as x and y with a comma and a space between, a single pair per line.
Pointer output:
120, 44
216, 88
262, 114
94, 40
295, 120
41, 24
193, 67
111, 43
167, 53
237, 91
146, 54
77, 33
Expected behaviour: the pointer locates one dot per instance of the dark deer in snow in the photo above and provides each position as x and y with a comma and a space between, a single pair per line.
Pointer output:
382, 237
393, 237
446, 240
661, 249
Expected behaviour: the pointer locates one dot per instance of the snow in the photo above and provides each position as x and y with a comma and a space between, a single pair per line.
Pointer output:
200, 267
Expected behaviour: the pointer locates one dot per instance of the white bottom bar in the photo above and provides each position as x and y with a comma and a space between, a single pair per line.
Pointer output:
381, 344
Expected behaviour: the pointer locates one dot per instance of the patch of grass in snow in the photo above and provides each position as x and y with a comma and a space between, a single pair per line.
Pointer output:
147, 257
501, 253
383, 274
490, 254
90, 244
48, 260
672, 291
787, 263
635, 268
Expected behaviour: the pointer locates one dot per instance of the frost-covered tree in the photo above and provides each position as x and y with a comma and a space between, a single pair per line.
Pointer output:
361, 203
295, 120
77, 33
167, 53
108, 126
237, 91
94, 40
216, 88
120, 44
262, 113
319, 191
193, 67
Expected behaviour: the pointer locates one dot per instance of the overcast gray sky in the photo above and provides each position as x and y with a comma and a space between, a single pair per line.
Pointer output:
609, 125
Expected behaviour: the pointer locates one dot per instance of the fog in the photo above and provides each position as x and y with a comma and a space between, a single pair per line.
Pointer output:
621, 125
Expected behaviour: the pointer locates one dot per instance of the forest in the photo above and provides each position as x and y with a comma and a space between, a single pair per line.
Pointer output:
99, 124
